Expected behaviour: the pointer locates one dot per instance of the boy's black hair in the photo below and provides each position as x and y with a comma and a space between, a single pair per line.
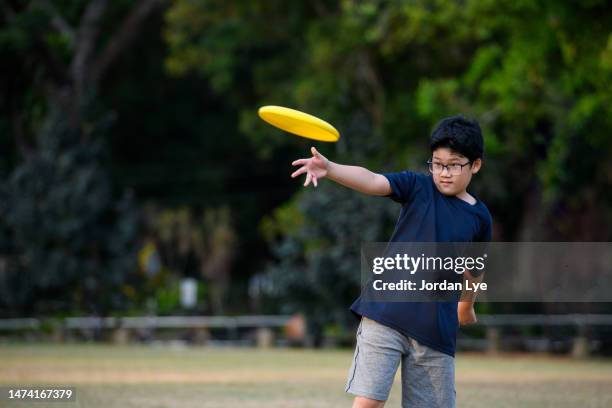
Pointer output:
460, 134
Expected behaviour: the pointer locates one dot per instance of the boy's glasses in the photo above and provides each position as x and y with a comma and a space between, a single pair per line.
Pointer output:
454, 169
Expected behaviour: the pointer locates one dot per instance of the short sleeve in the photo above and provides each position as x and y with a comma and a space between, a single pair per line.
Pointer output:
402, 185
486, 232
485, 235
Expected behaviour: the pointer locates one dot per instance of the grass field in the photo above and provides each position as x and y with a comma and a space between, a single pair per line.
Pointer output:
147, 376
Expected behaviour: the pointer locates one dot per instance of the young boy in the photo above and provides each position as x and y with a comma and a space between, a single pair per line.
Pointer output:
436, 207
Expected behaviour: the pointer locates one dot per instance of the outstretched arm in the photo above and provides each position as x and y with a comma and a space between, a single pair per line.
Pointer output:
355, 177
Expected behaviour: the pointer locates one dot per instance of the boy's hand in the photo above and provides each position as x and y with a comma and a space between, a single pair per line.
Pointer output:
314, 167
466, 313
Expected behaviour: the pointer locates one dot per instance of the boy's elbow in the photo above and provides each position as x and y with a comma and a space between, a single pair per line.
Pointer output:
381, 186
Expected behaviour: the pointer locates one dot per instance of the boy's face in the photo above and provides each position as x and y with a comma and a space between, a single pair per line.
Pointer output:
446, 179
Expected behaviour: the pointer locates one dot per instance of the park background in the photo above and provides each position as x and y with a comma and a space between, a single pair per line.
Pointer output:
134, 164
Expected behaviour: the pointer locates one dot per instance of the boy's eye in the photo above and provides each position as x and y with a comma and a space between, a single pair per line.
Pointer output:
453, 168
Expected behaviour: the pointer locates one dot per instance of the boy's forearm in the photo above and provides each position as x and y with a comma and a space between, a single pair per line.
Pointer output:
357, 178
465, 307
470, 296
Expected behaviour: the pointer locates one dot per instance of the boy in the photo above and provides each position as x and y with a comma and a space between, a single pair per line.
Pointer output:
436, 207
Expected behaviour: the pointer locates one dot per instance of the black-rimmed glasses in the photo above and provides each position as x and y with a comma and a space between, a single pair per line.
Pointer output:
454, 169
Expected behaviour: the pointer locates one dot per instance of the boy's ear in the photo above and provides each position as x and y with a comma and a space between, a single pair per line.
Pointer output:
476, 164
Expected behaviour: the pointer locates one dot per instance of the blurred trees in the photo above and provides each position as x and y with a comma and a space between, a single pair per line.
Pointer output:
539, 77
67, 246
59, 52
536, 74
316, 240
193, 246
183, 100
68, 240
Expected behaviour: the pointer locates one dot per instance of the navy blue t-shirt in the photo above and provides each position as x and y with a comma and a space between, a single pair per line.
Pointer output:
427, 216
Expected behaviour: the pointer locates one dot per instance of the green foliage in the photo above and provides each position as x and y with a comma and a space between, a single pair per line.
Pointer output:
535, 73
68, 246
168, 299
316, 241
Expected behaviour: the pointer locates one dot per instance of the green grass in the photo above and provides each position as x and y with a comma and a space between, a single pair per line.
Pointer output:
142, 376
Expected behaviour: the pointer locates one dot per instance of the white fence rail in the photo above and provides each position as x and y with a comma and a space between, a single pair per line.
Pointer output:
149, 322
228, 322
575, 320
494, 325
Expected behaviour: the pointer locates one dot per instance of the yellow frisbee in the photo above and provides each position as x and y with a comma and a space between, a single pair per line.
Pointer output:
299, 123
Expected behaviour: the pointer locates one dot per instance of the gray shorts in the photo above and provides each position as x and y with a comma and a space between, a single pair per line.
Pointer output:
428, 375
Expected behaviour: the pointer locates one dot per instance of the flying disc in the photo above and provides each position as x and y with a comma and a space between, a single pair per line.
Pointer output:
299, 123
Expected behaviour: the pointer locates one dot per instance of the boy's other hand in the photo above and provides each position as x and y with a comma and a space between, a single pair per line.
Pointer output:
466, 313
314, 167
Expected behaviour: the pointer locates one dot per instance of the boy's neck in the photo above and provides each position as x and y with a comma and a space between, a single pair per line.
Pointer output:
465, 196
